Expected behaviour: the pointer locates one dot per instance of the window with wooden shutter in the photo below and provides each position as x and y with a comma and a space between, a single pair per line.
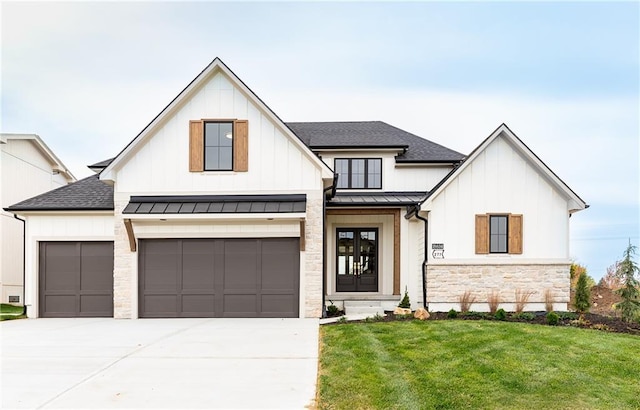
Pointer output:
499, 233
218, 145
515, 234
482, 234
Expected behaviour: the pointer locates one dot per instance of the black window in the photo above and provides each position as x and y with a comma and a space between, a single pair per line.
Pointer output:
218, 146
359, 173
498, 233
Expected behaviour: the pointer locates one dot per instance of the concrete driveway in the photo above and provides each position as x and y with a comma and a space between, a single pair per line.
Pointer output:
159, 363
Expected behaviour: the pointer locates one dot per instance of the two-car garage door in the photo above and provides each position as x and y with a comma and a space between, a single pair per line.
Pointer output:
219, 277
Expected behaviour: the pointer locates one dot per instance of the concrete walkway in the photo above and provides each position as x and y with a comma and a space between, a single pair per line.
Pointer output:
159, 363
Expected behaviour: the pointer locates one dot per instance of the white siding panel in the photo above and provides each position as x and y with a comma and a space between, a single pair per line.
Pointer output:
500, 180
160, 165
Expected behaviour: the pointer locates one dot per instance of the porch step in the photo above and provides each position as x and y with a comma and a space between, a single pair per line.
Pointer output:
363, 307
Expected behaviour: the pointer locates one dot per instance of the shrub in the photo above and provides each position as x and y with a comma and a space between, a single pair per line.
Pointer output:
452, 314
500, 314
522, 298
548, 300
494, 301
466, 300
405, 302
583, 295
552, 318
567, 316
343, 319
524, 316
332, 310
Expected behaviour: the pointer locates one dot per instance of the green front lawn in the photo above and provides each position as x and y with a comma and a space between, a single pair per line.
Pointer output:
476, 364
10, 312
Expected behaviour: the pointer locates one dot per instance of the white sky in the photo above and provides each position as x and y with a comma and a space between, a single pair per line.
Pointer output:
88, 76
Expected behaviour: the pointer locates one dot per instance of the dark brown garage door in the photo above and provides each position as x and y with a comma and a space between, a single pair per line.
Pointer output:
219, 277
76, 279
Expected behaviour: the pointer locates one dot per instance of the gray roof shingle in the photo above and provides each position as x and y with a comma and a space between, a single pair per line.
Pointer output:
372, 134
88, 194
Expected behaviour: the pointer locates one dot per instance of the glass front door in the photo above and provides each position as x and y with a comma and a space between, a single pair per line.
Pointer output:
356, 260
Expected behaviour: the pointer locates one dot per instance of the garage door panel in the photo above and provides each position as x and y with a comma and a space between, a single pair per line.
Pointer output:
95, 305
197, 265
199, 305
279, 305
160, 305
240, 305
76, 279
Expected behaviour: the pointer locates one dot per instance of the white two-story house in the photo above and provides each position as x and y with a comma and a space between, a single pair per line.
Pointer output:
218, 208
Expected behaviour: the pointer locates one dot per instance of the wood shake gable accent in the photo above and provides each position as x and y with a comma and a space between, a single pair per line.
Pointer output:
483, 234
240, 145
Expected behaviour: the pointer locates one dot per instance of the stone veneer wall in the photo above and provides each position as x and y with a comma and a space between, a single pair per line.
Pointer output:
123, 262
446, 283
313, 259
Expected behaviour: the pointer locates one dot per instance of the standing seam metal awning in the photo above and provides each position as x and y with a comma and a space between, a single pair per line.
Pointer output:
376, 199
216, 204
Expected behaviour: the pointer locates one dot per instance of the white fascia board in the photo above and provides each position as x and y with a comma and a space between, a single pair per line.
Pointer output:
217, 217
216, 64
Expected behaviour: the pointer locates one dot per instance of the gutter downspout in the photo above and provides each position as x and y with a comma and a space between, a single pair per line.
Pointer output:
331, 188
426, 255
24, 263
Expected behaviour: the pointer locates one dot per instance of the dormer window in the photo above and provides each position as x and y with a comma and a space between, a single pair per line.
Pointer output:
359, 173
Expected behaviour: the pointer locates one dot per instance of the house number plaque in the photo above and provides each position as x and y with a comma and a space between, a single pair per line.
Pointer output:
437, 250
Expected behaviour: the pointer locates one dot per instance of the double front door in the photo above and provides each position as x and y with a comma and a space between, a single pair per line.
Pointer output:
357, 260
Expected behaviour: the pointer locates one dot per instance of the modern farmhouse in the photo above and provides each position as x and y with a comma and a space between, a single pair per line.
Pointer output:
218, 208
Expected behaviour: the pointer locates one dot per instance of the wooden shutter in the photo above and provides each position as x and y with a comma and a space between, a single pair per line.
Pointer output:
241, 145
482, 234
515, 234
196, 146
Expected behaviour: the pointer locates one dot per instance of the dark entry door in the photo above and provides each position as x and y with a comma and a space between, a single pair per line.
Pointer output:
357, 260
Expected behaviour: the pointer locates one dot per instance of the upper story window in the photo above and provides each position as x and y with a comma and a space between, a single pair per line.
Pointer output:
498, 233
359, 173
218, 146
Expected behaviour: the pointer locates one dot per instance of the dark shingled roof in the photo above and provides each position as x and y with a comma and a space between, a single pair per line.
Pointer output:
88, 194
102, 164
372, 134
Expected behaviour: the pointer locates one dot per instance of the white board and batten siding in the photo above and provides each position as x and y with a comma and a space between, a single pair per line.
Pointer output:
161, 164
81, 226
500, 180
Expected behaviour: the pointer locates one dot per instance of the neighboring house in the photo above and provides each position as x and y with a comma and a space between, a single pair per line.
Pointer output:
220, 209
27, 168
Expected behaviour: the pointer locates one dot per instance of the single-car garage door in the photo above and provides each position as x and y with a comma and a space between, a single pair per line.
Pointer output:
219, 277
76, 279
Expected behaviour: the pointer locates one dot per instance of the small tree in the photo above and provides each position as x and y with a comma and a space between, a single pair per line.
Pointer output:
611, 280
583, 294
405, 302
575, 271
630, 292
